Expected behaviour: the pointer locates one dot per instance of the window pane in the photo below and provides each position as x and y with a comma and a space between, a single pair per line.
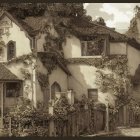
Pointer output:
84, 48
93, 94
93, 47
11, 50
12, 90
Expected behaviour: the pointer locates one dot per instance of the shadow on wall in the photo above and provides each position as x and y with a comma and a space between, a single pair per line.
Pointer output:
136, 81
83, 76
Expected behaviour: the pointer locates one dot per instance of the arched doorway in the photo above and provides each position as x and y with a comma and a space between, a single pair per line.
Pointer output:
55, 88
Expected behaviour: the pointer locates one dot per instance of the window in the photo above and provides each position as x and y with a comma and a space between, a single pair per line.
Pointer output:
92, 48
55, 88
12, 90
93, 94
11, 50
1, 52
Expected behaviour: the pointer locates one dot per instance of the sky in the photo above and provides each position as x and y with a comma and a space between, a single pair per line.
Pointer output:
116, 15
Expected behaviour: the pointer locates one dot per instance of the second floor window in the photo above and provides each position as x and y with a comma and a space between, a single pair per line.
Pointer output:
92, 48
11, 50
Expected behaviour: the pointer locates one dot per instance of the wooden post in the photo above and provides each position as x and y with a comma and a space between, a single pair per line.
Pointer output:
1, 105
107, 117
10, 132
32, 85
51, 123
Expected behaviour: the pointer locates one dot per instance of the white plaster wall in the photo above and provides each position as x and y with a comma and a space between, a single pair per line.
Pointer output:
42, 69
23, 45
83, 78
57, 75
15, 68
138, 27
40, 42
133, 63
118, 48
60, 77
72, 47
133, 59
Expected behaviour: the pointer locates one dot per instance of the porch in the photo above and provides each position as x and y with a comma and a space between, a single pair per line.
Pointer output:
10, 89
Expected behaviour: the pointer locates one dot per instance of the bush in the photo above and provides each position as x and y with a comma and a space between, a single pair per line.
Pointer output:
31, 120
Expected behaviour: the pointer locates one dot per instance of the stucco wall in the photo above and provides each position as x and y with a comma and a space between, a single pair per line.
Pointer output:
15, 68
23, 45
133, 63
57, 75
118, 48
40, 42
133, 59
72, 47
138, 27
83, 78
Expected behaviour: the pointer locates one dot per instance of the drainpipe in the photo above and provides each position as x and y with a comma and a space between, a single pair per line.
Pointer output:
32, 85
1, 106
107, 115
32, 73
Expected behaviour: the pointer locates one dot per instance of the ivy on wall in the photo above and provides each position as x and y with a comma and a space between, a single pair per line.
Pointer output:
117, 81
43, 80
25, 59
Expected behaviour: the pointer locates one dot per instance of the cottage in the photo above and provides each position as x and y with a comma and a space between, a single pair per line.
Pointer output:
93, 60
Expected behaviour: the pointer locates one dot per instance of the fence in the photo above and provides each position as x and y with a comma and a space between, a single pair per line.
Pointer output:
85, 121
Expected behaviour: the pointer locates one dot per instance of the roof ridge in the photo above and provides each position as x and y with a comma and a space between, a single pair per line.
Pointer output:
106, 27
14, 19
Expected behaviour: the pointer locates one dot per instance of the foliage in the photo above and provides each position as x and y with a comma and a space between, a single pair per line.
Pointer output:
33, 119
26, 73
43, 80
25, 59
117, 80
62, 108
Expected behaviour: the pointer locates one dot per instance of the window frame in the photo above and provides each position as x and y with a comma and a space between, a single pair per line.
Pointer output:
93, 89
16, 92
8, 51
105, 47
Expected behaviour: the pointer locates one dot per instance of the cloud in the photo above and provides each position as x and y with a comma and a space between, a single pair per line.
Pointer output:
119, 16
86, 5
116, 15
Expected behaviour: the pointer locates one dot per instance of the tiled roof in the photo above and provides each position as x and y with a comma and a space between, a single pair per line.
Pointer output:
79, 26
85, 28
6, 74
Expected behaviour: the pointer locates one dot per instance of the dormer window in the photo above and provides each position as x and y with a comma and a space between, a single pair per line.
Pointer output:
11, 50
95, 47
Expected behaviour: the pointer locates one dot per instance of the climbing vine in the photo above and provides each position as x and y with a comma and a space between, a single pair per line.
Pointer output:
25, 59
43, 80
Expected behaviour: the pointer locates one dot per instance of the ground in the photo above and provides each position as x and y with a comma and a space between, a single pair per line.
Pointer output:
129, 131
121, 131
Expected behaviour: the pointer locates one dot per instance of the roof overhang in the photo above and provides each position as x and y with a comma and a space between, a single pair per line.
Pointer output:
55, 58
